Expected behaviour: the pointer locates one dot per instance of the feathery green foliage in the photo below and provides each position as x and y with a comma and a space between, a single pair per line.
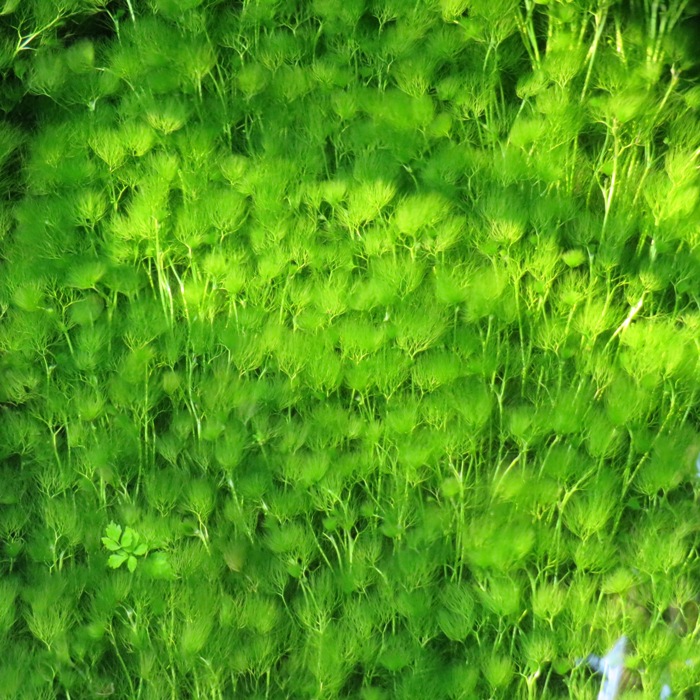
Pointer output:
376, 321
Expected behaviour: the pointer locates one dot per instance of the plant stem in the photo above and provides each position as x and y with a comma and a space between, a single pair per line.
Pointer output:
600, 17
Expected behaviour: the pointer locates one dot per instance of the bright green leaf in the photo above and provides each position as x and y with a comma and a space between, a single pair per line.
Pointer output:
129, 539
116, 560
113, 531
110, 544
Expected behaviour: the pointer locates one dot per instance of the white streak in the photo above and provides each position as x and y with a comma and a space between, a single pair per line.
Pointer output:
612, 668
633, 312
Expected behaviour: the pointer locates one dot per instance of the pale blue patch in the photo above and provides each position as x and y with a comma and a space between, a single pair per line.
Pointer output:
612, 667
595, 662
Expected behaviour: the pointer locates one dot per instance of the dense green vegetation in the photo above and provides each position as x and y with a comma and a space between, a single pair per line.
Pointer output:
348, 348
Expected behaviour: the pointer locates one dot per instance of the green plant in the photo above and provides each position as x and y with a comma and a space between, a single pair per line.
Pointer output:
124, 545
412, 284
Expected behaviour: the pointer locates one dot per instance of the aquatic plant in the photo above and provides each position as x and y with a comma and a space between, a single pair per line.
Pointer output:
377, 323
